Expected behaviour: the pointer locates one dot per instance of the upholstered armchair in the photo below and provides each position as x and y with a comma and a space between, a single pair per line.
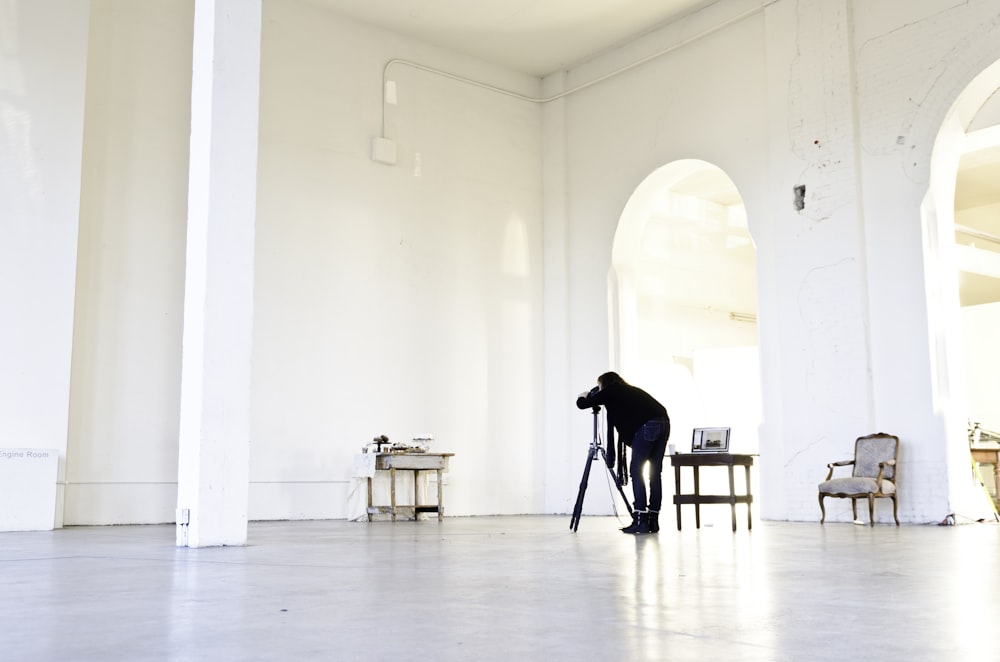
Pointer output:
873, 475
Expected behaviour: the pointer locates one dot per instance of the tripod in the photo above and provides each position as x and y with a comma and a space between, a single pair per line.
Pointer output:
592, 456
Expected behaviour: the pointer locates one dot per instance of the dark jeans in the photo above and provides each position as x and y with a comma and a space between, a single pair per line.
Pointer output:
649, 445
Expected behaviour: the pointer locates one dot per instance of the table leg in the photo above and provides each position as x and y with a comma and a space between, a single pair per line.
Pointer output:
440, 498
369, 498
392, 491
416, 474
996, 479
749, 515
697, 493
677, 493
732, 496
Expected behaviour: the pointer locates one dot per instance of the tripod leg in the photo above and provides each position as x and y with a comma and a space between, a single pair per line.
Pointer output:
578, 507
604, 458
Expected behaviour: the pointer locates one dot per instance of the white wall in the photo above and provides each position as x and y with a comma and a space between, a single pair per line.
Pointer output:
677, 106
407, 299
942, 50
841, 295
122, 459
396, 300
393, 300
982, 364
43, 50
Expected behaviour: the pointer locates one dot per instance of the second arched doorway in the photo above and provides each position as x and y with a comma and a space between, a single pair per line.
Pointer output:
682, 294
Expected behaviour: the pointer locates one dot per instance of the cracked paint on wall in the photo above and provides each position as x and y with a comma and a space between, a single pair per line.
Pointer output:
821, 116
901, 99
835, 338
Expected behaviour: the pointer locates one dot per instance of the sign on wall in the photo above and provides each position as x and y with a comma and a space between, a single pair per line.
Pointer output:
28, 488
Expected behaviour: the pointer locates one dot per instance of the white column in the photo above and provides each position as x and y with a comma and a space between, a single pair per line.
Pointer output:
213, 471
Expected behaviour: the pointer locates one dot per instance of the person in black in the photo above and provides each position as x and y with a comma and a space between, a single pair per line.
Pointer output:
642, 423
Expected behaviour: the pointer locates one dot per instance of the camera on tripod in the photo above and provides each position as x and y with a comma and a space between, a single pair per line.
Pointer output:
594, 454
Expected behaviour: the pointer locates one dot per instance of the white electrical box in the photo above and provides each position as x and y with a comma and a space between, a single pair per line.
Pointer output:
384, 151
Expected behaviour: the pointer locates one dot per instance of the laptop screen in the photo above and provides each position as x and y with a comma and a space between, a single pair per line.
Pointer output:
710, 440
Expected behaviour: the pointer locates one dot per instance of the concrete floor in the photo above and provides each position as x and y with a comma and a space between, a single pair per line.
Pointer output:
504, 588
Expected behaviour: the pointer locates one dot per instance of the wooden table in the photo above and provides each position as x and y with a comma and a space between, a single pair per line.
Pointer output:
698, 460
415, 462
989, 455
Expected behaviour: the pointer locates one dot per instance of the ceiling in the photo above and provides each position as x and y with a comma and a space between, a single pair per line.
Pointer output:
536, 37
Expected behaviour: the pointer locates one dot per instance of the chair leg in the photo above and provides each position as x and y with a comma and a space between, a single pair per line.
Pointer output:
871, 510
894, 516
822, 508
854, 508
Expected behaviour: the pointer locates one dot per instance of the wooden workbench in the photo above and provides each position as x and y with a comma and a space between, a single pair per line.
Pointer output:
415, 462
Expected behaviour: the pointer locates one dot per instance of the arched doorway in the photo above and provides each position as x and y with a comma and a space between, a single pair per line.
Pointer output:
963, 257
977, 235
683, 297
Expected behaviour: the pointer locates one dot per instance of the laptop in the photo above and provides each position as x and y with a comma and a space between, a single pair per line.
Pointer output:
710, 440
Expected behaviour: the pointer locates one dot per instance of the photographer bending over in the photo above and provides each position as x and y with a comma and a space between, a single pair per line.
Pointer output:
643, 424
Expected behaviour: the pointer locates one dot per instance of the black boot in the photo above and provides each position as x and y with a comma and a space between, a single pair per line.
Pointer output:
635, 522
640, 523
654, 521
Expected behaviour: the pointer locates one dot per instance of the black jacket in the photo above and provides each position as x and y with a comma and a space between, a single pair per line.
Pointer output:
629, 407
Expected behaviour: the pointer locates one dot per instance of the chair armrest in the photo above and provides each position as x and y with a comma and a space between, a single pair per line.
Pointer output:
881, 468
841, 463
